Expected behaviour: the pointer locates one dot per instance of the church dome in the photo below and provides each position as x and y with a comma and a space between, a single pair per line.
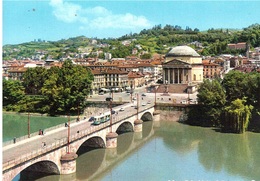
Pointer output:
182, 51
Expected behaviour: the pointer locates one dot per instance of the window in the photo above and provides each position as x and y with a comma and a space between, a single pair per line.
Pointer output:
194, 77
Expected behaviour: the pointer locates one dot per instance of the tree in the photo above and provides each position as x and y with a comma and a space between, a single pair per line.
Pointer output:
33, 79
237, 116
13, 92
146, 56
234, 85
67, 87
211, 100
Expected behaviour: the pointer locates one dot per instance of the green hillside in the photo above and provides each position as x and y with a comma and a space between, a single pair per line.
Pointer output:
155, 40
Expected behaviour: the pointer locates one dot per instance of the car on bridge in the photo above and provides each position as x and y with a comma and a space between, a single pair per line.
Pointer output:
121, 109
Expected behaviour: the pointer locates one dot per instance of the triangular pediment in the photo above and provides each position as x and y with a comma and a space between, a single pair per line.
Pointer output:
176, 62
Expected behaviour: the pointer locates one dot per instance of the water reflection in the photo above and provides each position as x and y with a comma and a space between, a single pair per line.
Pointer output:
89, 163
234, 153
237, 154
172, 151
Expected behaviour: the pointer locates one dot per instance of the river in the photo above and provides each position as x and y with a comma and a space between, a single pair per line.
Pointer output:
171, 151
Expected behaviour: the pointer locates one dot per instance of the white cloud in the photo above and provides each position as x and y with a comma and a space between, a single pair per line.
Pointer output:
97, 17
67, 12
120, 21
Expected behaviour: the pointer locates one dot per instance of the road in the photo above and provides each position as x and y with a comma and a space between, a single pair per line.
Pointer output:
160, 97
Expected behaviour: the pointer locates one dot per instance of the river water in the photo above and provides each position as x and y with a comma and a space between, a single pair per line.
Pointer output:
171, 151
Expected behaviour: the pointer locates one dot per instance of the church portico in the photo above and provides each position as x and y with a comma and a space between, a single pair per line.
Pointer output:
176, 72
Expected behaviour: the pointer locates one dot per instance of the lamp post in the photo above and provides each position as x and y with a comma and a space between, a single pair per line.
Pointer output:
28, 120
131, 86
137, 105
155, 90
110, 99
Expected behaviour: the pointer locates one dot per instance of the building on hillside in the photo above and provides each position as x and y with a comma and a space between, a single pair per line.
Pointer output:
16, 73
237, 46
108, 56
134, 51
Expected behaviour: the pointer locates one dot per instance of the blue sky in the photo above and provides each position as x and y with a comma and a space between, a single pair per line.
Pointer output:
52, 20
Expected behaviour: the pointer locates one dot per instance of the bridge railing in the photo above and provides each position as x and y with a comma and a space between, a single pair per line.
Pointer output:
34, 153
63, 141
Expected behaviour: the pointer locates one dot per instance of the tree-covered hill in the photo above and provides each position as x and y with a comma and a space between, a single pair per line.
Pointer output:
154, 40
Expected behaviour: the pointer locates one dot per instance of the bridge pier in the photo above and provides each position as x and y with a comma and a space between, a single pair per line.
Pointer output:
156, 115
138, 128
111, 140
68, 163
156, 118
138, 125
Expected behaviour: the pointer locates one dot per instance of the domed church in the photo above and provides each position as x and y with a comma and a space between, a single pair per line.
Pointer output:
182, 65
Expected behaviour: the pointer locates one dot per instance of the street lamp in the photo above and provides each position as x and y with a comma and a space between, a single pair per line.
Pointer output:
131, 86
28, 120
110, 99
155, 90
137, 105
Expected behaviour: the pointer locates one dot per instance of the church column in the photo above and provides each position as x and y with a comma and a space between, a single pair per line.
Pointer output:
178, 75
164, 76
173, 76
190, 80
183, 76
169, 76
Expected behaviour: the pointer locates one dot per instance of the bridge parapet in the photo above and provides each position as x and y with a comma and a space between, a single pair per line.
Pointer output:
8, 164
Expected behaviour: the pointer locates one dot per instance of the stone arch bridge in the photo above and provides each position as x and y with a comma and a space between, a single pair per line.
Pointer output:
59, 156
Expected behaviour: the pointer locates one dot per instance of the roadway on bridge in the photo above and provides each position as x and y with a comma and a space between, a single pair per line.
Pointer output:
22, 148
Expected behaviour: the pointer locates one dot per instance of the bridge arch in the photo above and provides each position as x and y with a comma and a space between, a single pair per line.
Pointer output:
125, 127
90, 144
147, 116
38, 170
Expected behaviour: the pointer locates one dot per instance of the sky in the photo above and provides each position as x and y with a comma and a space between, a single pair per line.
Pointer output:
52, 20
